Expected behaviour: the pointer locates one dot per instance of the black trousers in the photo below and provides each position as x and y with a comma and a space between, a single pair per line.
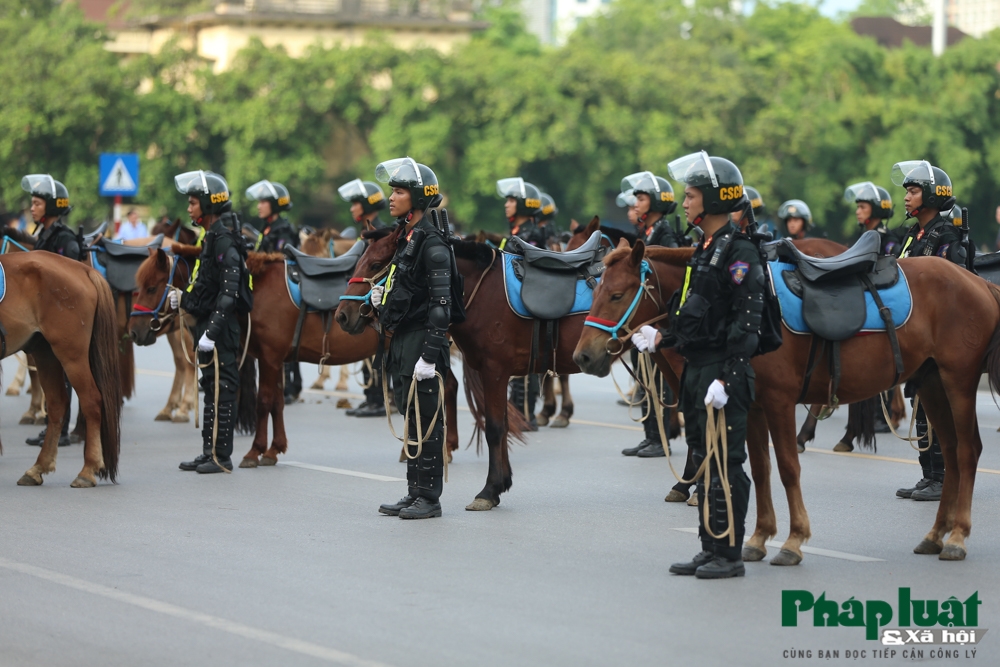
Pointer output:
228, 348
931, 460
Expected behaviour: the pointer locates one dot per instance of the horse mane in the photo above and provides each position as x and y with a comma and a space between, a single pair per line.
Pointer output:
377, 234
480, 253
674, 256
185, 251
258, 261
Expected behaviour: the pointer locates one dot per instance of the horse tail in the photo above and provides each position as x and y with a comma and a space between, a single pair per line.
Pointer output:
105, 366
861, 421
246, 398
476, 398
126, 349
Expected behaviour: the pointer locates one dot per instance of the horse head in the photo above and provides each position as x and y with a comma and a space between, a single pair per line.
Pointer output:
355, 311
150, 306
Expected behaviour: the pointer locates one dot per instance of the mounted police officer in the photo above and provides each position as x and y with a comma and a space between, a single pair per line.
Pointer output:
928, 199
367, 199
213, 299
873, 209
654, 200
796, 217
49, 208
757, 204
522, 203
417, 307
716, 325
276, 233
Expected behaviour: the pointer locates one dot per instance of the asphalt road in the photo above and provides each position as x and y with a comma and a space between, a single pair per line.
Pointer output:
294, 566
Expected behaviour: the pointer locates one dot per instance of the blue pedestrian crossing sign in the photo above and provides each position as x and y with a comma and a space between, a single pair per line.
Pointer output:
119, 174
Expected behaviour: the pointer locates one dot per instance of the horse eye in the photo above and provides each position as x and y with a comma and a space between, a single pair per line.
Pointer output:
376, 266
617, 297
150, 290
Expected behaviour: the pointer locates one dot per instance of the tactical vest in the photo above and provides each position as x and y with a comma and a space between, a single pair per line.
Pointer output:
704, 300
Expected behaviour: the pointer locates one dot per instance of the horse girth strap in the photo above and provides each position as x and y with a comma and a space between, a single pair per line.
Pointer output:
297, 338
890, 328
811, 364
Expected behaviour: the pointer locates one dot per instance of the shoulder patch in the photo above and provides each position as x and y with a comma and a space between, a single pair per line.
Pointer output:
738, 270
943, 250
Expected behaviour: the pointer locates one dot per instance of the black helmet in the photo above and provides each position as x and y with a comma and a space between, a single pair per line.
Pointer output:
529, 197
795, 208
369, 194
660, 192
933, 182
625, 199
210, 188
869, 193
54, 193
549, 208
756, 200
405, 172
276, 193
718, 179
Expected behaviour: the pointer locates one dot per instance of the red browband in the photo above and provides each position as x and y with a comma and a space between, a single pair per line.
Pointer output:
141, 308
598, 320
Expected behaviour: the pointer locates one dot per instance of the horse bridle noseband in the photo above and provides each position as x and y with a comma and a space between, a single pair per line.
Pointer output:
377, 280
159, 315
612, 328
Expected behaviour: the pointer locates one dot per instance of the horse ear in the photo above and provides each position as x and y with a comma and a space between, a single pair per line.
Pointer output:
161, 258
594, 225
622, 244
638, 250
573, 224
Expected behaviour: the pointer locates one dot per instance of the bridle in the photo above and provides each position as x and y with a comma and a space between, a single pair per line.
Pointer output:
378, 279
159, 314
612, 327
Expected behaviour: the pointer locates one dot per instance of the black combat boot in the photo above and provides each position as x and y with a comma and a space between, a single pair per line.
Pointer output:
63, 435
393, 509
430, 469
223, 441
908, 493
689, 568
206, 441
721, 568
654, 448
633, 451
293, 382
518, 398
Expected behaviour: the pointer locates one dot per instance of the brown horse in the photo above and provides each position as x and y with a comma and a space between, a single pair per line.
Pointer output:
495, 342
272, 329
326, 242
175, 231
62, 313
947, 375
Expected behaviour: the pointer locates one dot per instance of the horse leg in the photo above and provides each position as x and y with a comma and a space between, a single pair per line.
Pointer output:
14, 388
964, 459
451, 412
781, 422
279, 441
53, 383
548, 401
189, 393
79, 432
758, 450
320, 382
345, 375
166, 414
898, 410
562, 419
846, 444
36, 409
808, 431
498, 479
80, 376
268, 388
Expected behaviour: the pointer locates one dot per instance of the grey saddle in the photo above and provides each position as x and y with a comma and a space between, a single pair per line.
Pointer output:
548, 287
988, 267
322, 280
121, 262
88, 239
832, 289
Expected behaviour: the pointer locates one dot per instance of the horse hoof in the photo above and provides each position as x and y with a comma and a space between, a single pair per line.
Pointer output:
339, 387
41, 421
927, 548
559, 422
542, 420
162, 417
843, 447
29, 480
83, 483
675, 496
248, 463
480, 505
180, 419
11, 391
786, 557
952, 552
752, 554
266, 461
27, 419
318, 386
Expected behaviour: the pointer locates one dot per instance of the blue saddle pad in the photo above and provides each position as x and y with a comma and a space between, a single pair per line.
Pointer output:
512, 286
896, 298
3, 283
294, 291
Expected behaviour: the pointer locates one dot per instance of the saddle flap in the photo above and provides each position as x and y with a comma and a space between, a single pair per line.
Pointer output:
115, 249
553, 260
326, 266
548, 295
121, 262
859, 258
886, 272
834, 309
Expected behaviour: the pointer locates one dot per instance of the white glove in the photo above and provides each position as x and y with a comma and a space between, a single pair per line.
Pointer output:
716, 395
645, 339
423, 370
205, 344
174, 299
377, 292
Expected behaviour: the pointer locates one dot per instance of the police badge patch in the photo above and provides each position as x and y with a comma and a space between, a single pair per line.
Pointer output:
943, 250
738, 270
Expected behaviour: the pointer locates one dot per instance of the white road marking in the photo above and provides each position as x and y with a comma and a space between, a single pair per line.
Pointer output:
829, 553
341, 471
247, 632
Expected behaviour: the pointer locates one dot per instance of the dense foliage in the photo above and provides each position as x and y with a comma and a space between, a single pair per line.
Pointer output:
802, 104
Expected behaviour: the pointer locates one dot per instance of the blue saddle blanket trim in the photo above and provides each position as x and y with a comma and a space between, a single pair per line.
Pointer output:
294, 291
512, 286
3, 283
896, 298
100, 268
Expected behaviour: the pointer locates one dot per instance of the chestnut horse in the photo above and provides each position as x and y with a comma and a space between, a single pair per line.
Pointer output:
495, 342
947, 376
62, 313
272, 329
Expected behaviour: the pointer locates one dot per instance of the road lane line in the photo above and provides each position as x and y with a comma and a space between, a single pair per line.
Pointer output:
341, 471
877, 457
829, 553
247, 632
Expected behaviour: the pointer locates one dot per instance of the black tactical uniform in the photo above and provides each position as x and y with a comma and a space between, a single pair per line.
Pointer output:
212, 299
661, 202
939, 238
795, 208
417, 309
716, 327
277, 235
372, 199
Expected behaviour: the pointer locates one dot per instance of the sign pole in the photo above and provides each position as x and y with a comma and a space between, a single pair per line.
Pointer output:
116, 215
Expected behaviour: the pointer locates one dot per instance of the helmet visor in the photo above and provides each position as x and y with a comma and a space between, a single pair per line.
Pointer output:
625, 199
693, 169
642, 181
191, 183
39, 184
794, 208
262, 190
401, 172
512, 187
862, 192
353, 190
918, 171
